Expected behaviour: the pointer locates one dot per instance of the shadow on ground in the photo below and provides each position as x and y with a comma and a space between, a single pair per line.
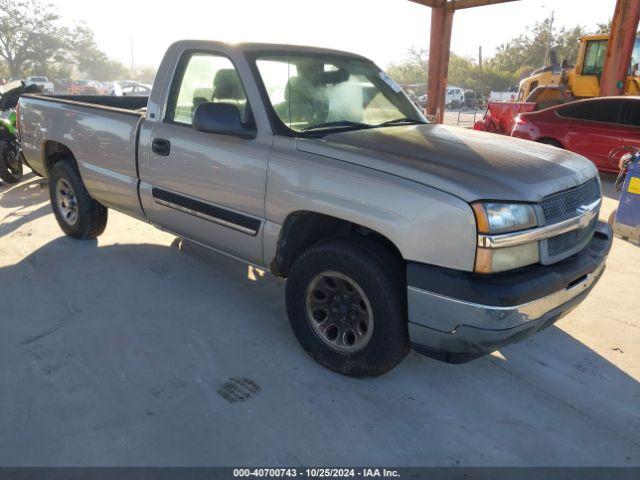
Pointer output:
20, 199
126, 355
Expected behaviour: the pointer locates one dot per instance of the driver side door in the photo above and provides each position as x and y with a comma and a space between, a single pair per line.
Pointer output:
207, 187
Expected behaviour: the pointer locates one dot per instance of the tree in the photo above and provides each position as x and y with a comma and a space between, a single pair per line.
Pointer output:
31, 42
143, 74
88, 57
29, 37
4, 71
462, 71
567, 43
413, 70
527, 52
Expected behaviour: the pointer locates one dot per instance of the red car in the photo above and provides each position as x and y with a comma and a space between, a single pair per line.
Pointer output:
592, 128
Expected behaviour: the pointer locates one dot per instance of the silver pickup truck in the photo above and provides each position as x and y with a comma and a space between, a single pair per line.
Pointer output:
392, 232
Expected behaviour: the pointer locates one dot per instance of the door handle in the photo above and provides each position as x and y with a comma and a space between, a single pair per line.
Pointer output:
161, 147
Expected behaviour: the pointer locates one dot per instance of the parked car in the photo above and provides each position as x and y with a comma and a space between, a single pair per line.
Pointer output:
314, 164
592, 128
454, 98
103, 88
130, 89
42, 82
507, 96
83, 87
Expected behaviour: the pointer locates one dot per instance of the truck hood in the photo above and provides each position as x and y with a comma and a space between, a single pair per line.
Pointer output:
468, 164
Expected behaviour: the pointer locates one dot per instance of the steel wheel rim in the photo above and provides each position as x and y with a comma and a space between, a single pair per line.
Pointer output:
66, 201
339, 312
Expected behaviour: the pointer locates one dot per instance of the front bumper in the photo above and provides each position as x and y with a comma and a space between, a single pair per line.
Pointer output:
458, 316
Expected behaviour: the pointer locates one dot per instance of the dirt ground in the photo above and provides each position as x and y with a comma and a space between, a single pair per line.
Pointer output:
129, 351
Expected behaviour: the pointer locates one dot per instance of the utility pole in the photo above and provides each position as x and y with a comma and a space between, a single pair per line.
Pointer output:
547, 55
131, 50
480, 57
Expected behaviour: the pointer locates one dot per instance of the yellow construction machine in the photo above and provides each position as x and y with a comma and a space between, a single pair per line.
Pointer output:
560, 82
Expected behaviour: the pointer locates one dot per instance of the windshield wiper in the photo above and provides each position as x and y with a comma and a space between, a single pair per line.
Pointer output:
338, 124
398, 121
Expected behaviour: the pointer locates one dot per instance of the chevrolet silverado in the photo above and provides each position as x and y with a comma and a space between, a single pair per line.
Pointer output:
391, 232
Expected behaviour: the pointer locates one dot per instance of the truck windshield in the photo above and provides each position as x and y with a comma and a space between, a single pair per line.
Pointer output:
310, 92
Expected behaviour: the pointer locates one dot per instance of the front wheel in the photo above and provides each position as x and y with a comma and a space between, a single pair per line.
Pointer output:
346, 305
78, 215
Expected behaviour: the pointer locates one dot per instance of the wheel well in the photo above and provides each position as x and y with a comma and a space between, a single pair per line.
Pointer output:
303, 229
550, 141
53, 153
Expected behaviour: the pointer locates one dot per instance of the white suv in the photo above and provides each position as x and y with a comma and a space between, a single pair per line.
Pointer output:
47, 86
454, 97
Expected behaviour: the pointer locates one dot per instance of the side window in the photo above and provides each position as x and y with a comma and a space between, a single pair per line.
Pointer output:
206, 78
631, 114
598, 111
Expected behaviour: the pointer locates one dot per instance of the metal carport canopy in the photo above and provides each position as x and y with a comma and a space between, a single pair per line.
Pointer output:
440, 46
623, 33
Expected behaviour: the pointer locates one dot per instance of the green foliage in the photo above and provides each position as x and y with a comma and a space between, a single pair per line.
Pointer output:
143, 74
462, 72
32, 42
4, 71
413, 70
29, 37
513, 61
529, 51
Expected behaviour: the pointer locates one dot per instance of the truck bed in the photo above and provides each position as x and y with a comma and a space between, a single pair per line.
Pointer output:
125, 103
99, 132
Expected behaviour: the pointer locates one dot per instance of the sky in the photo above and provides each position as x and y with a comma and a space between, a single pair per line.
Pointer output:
382, 30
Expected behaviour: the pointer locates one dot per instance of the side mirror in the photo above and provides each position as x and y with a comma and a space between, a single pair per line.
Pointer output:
221, 118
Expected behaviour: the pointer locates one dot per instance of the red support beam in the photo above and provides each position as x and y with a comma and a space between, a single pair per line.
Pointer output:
439, 47
620, 48
460, 4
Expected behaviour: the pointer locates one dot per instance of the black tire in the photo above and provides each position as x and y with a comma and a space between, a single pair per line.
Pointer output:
550, 141
11, 175
91, 216
381, 277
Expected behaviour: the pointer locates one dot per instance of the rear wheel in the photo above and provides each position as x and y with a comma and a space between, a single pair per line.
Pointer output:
346, 305
78, 215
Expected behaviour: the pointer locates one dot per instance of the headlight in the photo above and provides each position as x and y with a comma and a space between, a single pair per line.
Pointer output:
493, 260
504, 217
494, 218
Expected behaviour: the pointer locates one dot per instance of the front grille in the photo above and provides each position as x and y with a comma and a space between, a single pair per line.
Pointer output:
564, 205
570, 240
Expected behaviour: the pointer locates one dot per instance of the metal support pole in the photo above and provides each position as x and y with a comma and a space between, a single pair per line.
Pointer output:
440, 45
620, 48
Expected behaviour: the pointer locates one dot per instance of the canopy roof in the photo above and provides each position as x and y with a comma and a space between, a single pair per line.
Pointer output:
459, 4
